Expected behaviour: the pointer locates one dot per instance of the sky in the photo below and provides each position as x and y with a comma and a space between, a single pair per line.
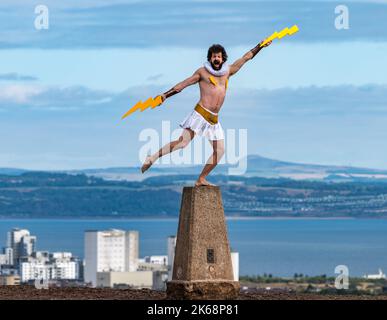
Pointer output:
319, 96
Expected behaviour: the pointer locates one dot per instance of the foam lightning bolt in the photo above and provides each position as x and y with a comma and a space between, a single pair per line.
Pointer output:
151, 102
281, 34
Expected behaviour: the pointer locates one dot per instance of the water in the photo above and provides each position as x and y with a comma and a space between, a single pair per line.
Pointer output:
281, 247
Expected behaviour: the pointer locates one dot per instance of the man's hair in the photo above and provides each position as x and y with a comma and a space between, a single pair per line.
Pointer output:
216, 48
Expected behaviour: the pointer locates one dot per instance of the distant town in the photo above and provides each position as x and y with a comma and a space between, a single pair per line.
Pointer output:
111, 261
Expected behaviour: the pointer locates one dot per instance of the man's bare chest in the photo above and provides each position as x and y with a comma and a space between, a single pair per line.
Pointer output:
208, 81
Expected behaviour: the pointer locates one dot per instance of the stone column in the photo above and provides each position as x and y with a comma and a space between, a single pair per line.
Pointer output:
202, 266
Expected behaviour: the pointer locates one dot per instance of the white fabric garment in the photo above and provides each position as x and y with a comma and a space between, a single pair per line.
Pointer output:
202, 127
217, 73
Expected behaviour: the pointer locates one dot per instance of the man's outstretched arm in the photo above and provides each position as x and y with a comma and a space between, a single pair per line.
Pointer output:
182, 85
234, 68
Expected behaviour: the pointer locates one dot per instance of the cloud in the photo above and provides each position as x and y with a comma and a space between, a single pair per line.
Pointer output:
303, 101
51, 98
74, 98
155, 77
13, 76
337, 124
18, 94
105, 24
312, 100
67, 4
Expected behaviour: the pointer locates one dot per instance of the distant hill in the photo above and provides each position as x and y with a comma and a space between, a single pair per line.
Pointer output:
265, 167
257, 166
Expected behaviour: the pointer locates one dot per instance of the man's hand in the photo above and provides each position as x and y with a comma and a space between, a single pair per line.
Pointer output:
265, 45
162, 97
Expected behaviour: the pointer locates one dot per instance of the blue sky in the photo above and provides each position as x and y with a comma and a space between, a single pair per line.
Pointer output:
318, 97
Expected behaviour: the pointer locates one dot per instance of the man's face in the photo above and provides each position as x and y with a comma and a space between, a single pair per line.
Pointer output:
216, 60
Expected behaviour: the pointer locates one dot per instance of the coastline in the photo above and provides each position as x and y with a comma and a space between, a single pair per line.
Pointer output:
156, 218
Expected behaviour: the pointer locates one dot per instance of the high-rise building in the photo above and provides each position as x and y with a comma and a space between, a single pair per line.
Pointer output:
132, 249
110, 250
27, 246
8, 252
171, 245
21, 242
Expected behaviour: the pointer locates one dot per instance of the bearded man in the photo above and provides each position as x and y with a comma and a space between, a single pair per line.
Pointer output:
203, 120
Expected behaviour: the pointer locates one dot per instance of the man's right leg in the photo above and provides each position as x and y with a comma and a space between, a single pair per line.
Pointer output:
217, 154
185, 138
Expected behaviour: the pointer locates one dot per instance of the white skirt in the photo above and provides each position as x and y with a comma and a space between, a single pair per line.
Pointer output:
200, 126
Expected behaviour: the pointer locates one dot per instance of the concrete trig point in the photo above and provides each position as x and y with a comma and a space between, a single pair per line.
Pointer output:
202, 265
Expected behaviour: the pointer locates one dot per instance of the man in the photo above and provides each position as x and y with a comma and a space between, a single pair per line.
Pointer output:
203, 120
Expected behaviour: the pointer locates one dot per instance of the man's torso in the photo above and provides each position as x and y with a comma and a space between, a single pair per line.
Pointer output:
212, 93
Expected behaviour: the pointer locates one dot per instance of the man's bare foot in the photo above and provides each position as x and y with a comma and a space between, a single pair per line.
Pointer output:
147, 164
203, 182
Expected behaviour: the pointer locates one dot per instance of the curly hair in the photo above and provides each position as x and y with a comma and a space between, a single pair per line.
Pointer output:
216, 48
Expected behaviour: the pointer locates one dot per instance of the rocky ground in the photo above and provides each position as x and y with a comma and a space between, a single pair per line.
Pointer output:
31, 293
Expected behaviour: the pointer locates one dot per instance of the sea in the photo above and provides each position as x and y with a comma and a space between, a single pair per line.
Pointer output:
280, 247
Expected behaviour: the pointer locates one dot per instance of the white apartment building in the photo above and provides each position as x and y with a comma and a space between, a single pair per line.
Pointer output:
64, 266
110, 251
44, 266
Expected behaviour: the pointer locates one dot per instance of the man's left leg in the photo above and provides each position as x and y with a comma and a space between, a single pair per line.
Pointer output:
217, 154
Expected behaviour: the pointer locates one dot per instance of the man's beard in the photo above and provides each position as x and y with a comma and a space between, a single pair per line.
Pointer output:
216, 67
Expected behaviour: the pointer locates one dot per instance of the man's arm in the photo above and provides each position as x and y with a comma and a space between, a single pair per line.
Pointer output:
182, 85
234, 68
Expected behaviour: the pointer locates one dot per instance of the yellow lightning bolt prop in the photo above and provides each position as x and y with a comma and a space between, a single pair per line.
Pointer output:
151, 102
293, 30
281, 34
146, 104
